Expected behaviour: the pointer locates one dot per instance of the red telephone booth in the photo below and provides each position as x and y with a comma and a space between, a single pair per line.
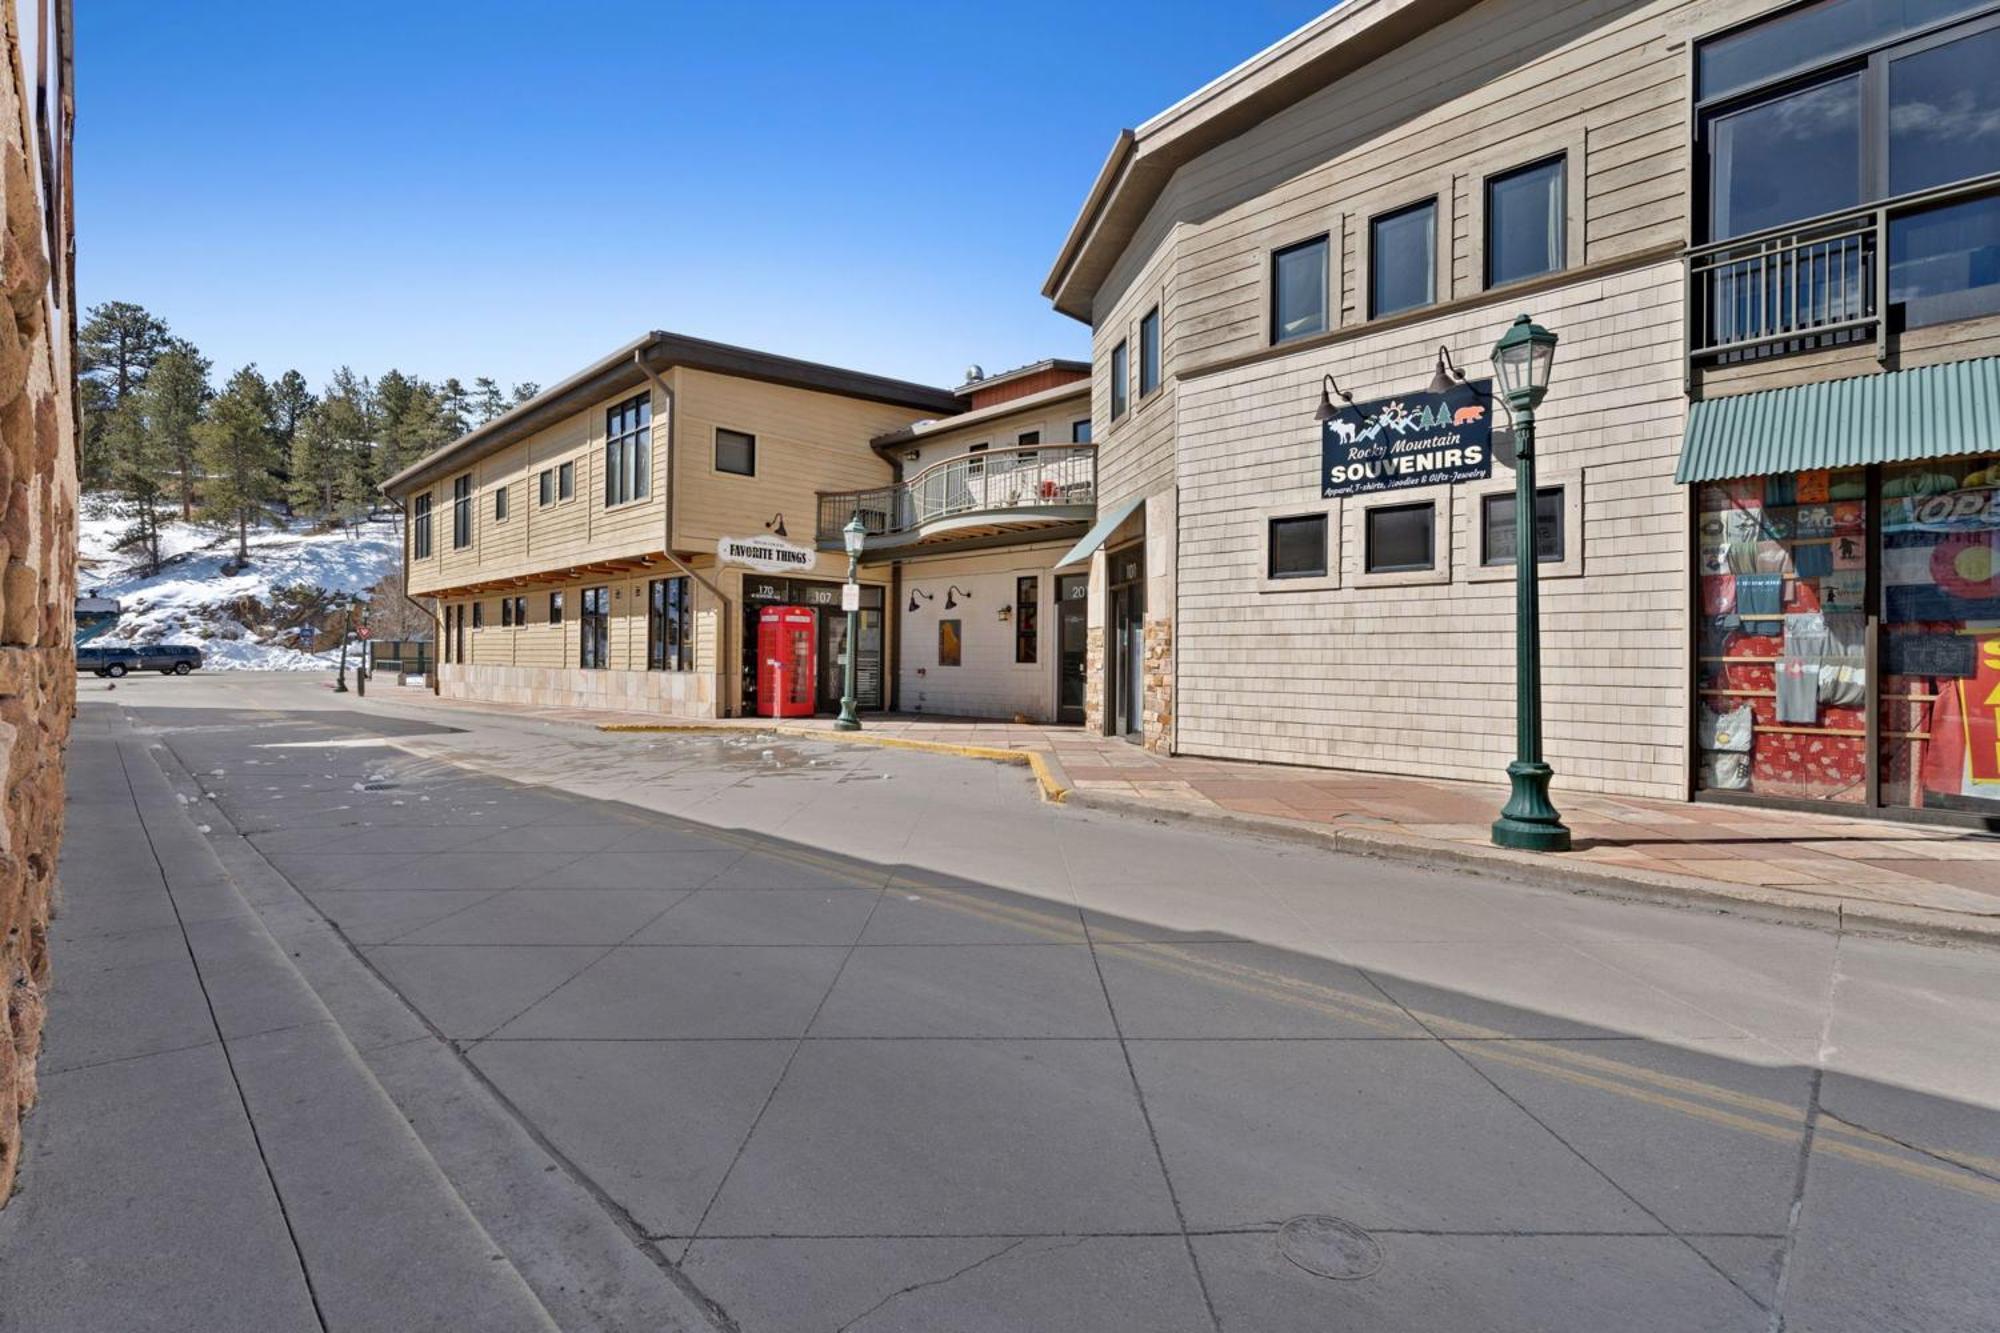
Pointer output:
787, 665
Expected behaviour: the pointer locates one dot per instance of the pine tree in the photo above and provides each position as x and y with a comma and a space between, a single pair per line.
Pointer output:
487, 400
313, 482
116, 347
352, 424
171, 403
524, 391
238, 454
293, 400
139, 469
453, 408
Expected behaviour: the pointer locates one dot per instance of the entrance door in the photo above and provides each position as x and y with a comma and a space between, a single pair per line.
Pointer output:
1072, 644
1126, 642
833, 660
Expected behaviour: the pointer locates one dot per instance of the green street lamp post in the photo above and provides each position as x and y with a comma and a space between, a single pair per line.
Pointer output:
1521, 361
853, 536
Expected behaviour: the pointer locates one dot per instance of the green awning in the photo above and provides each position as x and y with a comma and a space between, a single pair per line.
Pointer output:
1107, 523
1898, 417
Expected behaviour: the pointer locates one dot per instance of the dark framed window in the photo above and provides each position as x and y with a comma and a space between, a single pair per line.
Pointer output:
1119, 384
669, 625
547, 485
520, 609
420, 527
506, 613
1297, 547
459, 655
1499, 534
1400, 538
1027, 621
1402, 259
461, 511
1793, 156
1299, 290
628, 450
1810, 35
1027, 439
735, 452
1079, 431
1524, 222
594, 624
479, 615
1149, 351
500, 504
555, 608
566, 480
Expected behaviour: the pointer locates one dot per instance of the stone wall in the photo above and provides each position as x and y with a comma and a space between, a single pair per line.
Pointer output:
37, 581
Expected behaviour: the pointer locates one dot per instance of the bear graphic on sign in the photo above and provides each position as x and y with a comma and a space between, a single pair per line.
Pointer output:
1467, 414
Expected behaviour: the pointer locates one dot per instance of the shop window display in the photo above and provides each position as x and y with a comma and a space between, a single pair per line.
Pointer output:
1940, 634
1782, 679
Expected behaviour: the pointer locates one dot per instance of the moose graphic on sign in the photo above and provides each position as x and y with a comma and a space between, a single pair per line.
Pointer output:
1421, 439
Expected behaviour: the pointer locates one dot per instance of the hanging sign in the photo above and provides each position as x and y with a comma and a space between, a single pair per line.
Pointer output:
766, 554
1419, 439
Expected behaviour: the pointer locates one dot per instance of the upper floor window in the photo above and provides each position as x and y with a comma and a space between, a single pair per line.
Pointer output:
595, 626
500, 504
566, 480
1149, 352
1027, 438
1524, 222
1794, 156
1402, 259
628, 450
1119, 387
735, 452
1810, 36
1299, 290
546, 484
461, 511
420, 527
1079, 431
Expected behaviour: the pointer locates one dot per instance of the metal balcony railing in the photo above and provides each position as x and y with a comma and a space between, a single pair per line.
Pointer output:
1003, 482
1808, 284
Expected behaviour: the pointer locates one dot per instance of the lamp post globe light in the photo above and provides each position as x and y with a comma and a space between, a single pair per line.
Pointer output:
1521, 362
852, 536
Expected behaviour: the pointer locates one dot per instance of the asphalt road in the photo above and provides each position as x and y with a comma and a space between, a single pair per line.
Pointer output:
863, 1039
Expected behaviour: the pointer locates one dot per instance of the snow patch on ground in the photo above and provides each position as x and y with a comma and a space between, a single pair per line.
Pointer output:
191, 600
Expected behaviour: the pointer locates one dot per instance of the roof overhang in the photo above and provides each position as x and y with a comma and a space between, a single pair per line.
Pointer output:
918, 432
1142, 161
626, 369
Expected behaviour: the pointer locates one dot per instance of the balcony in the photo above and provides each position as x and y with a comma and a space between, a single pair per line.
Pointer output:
983, 498
1823, 282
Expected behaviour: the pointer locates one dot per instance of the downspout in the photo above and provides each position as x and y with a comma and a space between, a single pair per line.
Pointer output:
723, 618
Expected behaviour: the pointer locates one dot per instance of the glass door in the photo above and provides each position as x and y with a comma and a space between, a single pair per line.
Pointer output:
1073, 644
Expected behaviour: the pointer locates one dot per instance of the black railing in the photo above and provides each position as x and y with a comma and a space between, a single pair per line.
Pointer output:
999, 481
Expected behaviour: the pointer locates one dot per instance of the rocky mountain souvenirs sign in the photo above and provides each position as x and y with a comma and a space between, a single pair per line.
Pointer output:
1419, 439
765, 554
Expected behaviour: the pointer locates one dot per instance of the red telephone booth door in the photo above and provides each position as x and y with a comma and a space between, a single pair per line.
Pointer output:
787, 679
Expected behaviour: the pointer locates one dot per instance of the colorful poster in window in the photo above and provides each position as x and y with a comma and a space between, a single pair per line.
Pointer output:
1964, 755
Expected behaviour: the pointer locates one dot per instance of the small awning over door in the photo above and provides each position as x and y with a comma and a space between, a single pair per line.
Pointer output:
1107, 523
1898, 417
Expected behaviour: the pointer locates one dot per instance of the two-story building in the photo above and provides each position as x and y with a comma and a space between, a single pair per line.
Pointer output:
612, 542
1768, 237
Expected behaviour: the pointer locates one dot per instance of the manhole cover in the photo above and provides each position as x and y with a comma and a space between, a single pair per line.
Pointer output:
1330, 1247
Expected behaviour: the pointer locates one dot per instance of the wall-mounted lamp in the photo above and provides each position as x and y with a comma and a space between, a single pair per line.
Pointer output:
776, 526
1448, 376
919, 592
1006, 613
912, 456
953, 594
1326, 411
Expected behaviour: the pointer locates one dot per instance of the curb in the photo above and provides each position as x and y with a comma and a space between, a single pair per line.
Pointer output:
1783, 906
1052, 790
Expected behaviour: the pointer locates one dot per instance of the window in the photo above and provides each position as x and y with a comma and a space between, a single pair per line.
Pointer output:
547, 483
1027, 439
1399, 538
479, 615
458, 654
1944, 112
555, 608
735, 452
520, 609
595, 624
628, 450
1402, 259
1944, 263
566, 480
420, 527
1079, 431
461, 512
1790, 157
1524, 222
1027, 601
1149, 352
500, 504
1119, 388
1298, 547
1298, 290
1811, 35
669, 625
506, 613
1499, 534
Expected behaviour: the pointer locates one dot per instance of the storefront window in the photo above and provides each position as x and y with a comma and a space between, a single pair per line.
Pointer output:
1940, 645
1782, 678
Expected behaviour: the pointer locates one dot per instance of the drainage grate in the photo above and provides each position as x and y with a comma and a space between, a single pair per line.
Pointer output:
1329, 1247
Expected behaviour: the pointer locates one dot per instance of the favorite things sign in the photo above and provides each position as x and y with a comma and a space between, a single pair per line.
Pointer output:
1418, 439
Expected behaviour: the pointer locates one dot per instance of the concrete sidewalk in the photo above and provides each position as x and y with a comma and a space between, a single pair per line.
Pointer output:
1822, 869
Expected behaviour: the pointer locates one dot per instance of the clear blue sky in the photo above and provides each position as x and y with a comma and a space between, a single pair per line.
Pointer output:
515, 188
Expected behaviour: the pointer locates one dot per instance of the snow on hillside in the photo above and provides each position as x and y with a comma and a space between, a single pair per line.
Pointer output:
192, 601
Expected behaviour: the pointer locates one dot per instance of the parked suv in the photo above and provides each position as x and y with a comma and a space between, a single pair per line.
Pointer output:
169, 659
